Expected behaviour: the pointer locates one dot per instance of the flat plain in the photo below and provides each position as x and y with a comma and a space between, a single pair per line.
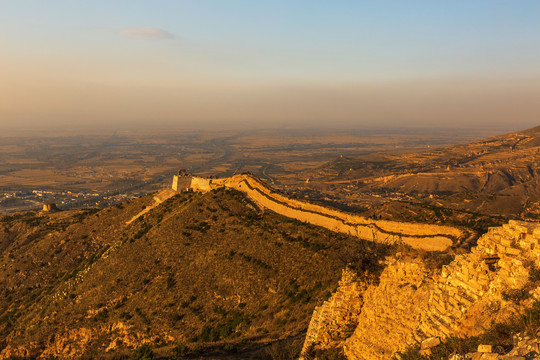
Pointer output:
144, 161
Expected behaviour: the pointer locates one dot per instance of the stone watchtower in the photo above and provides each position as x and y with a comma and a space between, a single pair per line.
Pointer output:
182, 181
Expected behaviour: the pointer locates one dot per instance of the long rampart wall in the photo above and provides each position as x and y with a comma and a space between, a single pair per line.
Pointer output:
421, 236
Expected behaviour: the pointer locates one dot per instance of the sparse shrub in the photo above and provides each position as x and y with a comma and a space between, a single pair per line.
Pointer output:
262, 330
196, 309
143, 352
102, 315
516, 295
125, 315
143, 317
122, 301
230, 348
284, 350
202, 227
281, 322
142, 231
179, 351
219, 310
332, 354
229, 328
176, 318
530, 320
170, 281
534, 273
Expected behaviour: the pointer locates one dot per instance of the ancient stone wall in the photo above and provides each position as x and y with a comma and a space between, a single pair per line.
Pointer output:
201, 184
473, 284
412, 303
421, 236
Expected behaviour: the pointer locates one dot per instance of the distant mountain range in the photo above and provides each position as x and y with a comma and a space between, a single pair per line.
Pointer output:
506, 164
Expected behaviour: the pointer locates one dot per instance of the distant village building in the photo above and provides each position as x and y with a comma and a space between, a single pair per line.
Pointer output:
50, 207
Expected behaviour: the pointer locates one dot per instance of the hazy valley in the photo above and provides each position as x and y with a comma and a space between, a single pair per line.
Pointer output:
100, 169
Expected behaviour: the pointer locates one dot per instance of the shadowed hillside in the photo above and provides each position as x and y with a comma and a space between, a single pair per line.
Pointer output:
201, 269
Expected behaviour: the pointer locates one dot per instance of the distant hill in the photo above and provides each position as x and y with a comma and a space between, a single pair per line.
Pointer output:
205, 270
495, 176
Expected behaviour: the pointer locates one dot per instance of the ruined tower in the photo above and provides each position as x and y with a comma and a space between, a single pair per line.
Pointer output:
181, 181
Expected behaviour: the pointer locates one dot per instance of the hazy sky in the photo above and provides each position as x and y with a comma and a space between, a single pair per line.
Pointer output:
270, 63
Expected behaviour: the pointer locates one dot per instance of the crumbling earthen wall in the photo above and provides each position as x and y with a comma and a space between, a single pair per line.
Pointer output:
391, 311
336, 319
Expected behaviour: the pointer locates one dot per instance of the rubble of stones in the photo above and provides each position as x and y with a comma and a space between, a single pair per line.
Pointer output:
525, 348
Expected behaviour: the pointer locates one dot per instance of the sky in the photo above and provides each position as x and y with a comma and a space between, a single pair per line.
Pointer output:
295, 63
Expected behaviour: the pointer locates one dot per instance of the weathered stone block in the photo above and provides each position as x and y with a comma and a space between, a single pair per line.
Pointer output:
489, 356
485, 348
431, 342
425, 352
474, 356
512, 251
